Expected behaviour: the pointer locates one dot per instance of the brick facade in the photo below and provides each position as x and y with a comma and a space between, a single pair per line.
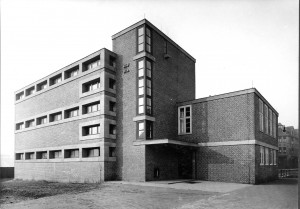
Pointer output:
127, 126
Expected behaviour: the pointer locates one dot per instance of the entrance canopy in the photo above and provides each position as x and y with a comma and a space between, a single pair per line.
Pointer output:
164, 141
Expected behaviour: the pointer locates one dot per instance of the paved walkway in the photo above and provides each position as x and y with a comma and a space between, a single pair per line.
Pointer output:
281, 194
208, 186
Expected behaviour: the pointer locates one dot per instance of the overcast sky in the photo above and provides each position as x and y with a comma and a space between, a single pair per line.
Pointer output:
237, 44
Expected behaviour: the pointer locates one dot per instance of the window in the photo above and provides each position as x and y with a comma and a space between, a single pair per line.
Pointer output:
112, 83
148, 40
72, 72
262, 155
112, 129
55, 117
274, 125
261, 115
92, 107
19, 156
112, 106
141, 130
29, 91
284, 149
184, 120
91, 152
91, 85
72, 153
29, 155
29, 123
41, 86
271, 156
270, 122
20, 96
91, 130
55, 154
41, 155
112, 61
141, 39
19, 126
41, 120
91, 64
72, 112
275, 158
266, 119
280, 149
149, 129
267, 156
112, 152
144, 81
56, 79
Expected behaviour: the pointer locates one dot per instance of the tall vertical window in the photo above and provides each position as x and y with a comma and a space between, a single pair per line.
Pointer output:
266, 119
144, 87
261, 115
144, 39
141, 130
185, 120
274, 125
145, 129
262, 155
275, 158
271, 156
141, 40
267, 156
270, 122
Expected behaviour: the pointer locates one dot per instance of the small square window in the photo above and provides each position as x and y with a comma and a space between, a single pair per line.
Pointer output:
91, 152
55, 117
29, 91
41, 120
91, 130
72, 72
29, 155
55, 154
20, 96
41, 86
29, 123
19, 126
72, 153
91, 64
19, 156
41, 155
91, 85
72, 112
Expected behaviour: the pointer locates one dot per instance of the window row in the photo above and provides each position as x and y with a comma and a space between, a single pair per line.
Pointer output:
68, 153
267, 156
267, 119
282, 149
144, 86
69, 113
72, 72
144, 39
185, 120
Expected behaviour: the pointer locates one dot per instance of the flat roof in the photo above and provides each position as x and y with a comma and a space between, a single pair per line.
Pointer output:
231, 94
145, 21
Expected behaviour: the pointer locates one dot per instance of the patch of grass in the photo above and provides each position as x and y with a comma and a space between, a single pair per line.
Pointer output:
18, 190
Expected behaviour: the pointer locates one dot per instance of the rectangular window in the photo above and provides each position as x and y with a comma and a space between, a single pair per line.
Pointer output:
91, 85
149, 106
141, 38
149, 68
261, 115
148, 40
149, 90
141, 68
141, 105
275, 158
92, 107
29, 155
267, 156
41, 120
262, 155
112, 106
56, 79
112, 61
141, 86
72, 72
29, 91
91, 152
149, 129
19, 126
19, 96
141, 130
55, 117
55, 154
19, 156
270, 122
112, 152
266, 111
29, 123
112, 83
93, 65
72, 112
41, 86
91, 130
112, 129
41, 155
184, 120
274, 125
271, 156
72, 153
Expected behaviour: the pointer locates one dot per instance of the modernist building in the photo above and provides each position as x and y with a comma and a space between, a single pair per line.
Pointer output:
288, 147
131, 115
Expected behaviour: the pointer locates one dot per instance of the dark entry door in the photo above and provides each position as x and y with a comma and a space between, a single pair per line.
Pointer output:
185, 165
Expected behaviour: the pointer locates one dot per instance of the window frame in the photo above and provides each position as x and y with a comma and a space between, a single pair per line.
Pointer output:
262, 155
261, 115
144, 37
184, 120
